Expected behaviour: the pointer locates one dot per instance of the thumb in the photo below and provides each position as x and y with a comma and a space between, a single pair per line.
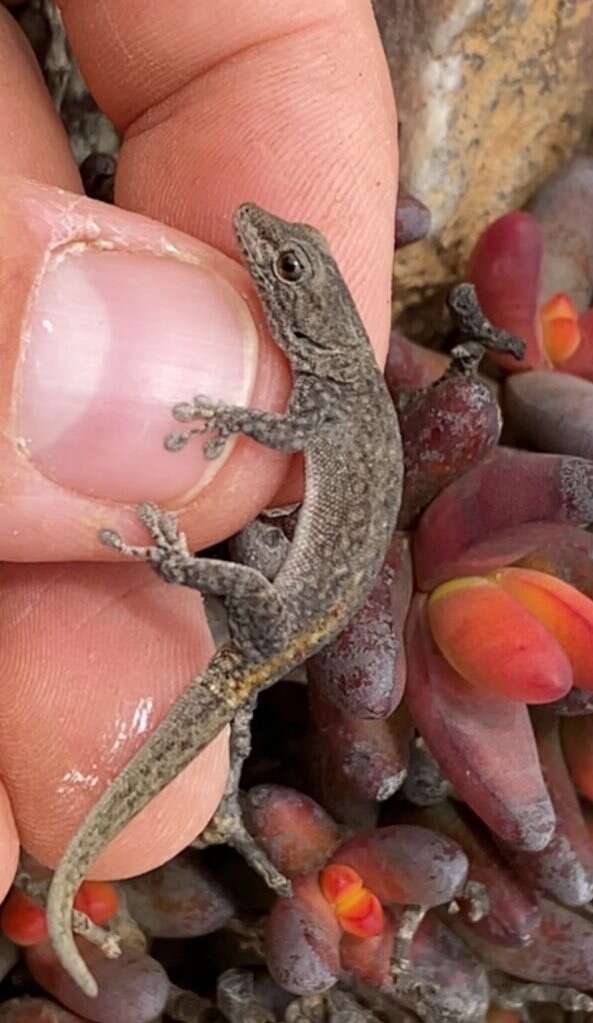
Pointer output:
108, 319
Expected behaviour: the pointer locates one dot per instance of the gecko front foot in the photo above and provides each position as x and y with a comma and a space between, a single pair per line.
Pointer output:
169, 554
216, 418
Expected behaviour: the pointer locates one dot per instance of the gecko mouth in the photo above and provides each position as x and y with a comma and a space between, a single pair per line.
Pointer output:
258, 232
252, 227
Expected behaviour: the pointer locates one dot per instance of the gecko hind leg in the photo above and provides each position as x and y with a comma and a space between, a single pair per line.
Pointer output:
257, 613
262, 546
227, 826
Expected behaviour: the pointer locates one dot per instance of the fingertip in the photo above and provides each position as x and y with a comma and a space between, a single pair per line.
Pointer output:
93, 658
109, 320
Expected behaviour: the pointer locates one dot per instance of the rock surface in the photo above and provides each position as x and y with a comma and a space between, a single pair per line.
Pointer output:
493, 96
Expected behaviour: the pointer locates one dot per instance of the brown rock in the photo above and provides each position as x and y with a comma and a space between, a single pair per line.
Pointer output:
493, 97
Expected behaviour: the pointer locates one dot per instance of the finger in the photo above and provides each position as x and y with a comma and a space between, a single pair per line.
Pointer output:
50, 796
107, 321
9, 843
113, 649
288, 105
34, 142
56, 432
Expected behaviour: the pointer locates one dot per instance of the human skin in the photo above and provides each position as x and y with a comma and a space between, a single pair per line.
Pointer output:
288, 106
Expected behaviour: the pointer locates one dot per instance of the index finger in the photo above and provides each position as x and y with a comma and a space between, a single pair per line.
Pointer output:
288, 105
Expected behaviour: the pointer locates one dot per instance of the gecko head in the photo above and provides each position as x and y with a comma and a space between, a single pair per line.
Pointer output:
297, 280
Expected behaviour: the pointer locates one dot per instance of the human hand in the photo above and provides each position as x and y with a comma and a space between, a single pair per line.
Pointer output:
107, 320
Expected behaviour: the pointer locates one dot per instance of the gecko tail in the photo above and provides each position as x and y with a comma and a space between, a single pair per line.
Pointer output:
193, 722
62, 939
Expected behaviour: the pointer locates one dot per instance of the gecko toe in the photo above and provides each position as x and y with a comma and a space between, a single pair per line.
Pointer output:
214, 447
200, 407
183, 412
152, 519
163, 528
111, 538
176, 441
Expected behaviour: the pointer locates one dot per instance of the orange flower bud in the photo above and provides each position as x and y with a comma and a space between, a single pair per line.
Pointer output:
98, 899
364, 919
558, 307
494, 642
339, 882
565, 612
358, 910
561, 339
22, 921
560, 328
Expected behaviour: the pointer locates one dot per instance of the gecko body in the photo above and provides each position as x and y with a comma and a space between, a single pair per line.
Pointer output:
341, 416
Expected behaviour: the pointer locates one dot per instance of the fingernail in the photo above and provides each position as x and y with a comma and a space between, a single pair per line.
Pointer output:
113, 340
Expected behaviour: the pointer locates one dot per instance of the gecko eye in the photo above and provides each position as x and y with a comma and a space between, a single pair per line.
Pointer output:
289, 267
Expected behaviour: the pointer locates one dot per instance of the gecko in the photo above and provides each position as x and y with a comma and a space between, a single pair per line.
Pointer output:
341, 416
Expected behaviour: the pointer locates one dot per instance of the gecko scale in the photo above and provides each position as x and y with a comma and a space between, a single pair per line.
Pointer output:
341, 416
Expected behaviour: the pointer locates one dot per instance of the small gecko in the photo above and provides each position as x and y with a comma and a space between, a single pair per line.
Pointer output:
341, 416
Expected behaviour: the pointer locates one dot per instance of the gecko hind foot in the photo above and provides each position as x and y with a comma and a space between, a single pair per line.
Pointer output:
227, 826
170, 548
163, 527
